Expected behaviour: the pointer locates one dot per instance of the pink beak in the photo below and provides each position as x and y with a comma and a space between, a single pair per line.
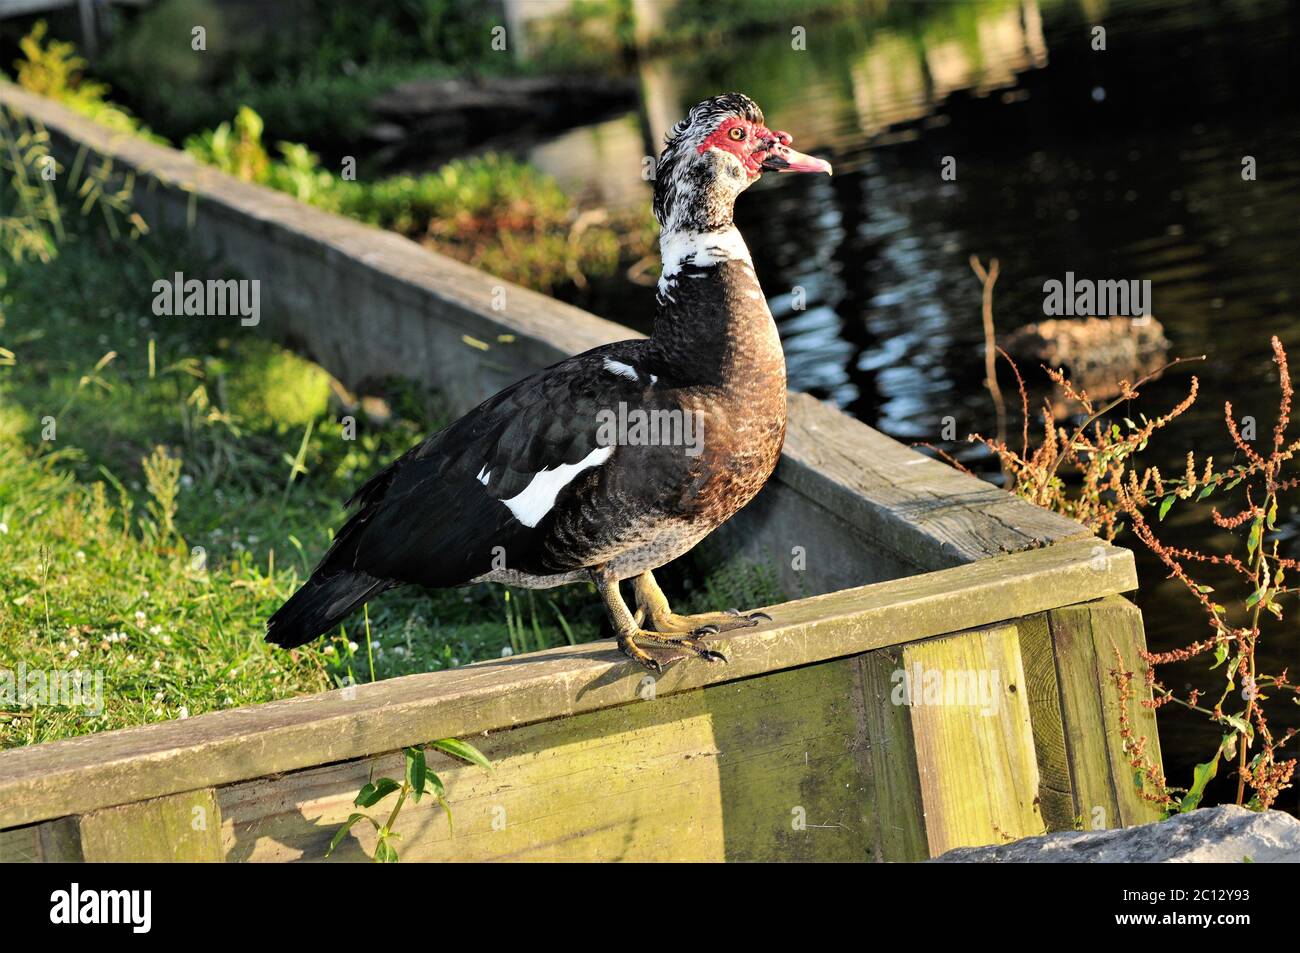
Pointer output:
781, 158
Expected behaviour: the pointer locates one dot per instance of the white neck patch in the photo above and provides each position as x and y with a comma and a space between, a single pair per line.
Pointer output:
700, 248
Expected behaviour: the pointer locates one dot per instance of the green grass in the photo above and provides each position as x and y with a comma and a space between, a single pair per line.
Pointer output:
102, 570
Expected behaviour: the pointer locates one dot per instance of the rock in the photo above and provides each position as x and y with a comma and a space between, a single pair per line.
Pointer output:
1211, 835
1096, 353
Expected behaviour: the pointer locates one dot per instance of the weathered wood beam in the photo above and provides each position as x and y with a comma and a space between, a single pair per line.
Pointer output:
1106, 789
762, 769
50, 842
974, 743
80, 774
179, 827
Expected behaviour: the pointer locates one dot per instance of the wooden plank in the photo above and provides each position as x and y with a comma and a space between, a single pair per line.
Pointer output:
762, 769
919, 508
1086, 638
56, 842
1117, 624
179, 827
1091, 783
76, 775
974, 739
895, 788
1056, 800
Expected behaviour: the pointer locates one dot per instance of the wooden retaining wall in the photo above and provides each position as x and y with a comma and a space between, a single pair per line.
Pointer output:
797, 749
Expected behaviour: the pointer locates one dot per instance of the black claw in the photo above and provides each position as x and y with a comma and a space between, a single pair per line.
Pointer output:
711, 656
756, 616
649, 662
707, 630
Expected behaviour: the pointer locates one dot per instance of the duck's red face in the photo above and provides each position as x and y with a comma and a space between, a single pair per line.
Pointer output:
759, 148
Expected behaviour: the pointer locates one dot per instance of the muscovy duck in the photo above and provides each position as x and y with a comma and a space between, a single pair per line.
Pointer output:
610, 464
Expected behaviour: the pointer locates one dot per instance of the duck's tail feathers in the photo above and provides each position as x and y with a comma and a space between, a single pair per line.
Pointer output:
323, 601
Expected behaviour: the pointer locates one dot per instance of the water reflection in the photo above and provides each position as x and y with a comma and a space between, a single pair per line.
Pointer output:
1124, 164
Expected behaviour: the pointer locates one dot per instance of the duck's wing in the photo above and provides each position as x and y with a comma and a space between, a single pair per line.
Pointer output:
481, 493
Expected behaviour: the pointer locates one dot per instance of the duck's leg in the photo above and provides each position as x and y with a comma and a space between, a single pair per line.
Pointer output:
652, 650
652, 605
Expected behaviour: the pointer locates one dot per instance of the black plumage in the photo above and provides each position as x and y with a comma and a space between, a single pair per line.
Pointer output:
546, 482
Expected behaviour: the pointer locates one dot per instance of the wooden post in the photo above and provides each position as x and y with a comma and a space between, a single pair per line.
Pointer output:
50, 842
179, 827
1106, 789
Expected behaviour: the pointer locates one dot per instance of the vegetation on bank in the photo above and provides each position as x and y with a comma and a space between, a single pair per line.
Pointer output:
312, 73
491, 211
165, 482
1236, 575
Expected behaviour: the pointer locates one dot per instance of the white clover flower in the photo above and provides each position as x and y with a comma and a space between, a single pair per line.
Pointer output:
184, 712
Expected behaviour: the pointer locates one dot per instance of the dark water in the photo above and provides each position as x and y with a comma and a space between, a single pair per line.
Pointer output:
1119, 164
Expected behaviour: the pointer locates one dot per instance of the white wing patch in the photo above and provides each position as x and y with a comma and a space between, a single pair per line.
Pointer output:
538, 497
623, 370
484, 475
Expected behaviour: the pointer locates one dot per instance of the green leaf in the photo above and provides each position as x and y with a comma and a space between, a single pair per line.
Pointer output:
1228, 746
385, 853
447, 807
433, 785
1256, 532
1167, 502
415, 771
1242, 726
375, 792
1220, 656
347, 826
1255, 596
1201, 776
463, 750
1205, 491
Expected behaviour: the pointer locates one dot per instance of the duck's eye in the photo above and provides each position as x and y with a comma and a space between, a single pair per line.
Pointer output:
737, 133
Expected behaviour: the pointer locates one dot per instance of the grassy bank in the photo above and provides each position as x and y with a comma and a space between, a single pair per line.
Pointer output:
166, 482
491, 211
